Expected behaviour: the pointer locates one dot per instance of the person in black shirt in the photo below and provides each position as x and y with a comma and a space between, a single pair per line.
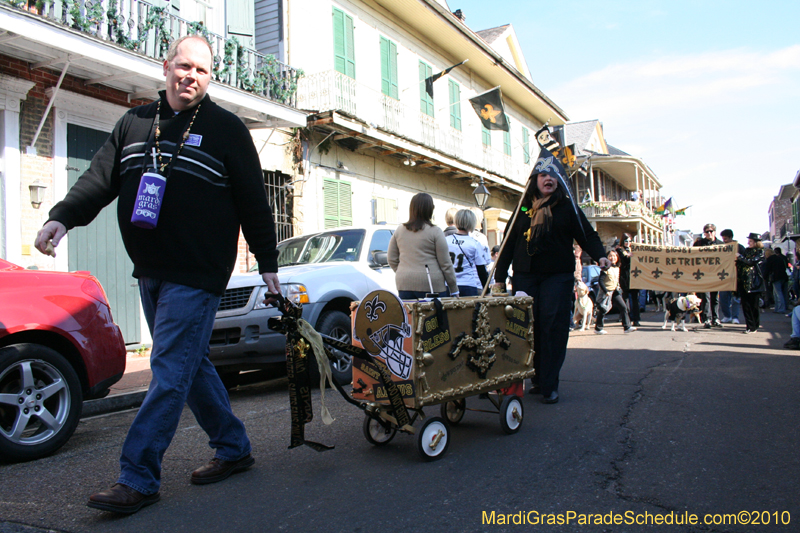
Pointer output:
709, 312
213, 185
539, 244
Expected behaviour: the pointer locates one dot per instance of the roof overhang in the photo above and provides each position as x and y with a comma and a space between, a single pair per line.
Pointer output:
624, 169
452, 38
47, 44
388, 144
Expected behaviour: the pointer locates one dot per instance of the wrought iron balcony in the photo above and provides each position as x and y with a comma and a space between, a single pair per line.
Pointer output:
621, 209
146, 29
333, 91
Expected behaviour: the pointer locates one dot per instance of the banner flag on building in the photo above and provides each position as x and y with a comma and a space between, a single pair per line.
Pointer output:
429, 80
684, 268
489, 107
662, 210
681, 211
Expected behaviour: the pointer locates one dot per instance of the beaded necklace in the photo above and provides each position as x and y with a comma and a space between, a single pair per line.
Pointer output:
161, 165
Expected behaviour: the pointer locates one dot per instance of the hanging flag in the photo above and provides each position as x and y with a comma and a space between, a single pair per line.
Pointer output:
662, 209
681, 211
489, 107
669, 207
550, 164
429, 80
545, 140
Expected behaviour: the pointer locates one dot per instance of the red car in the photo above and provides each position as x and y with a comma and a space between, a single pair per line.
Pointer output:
59, 346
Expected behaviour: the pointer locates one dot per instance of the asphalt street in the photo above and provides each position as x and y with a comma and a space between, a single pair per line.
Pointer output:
654, 423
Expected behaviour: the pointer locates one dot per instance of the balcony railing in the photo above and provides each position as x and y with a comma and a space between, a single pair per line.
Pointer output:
141, 27
622, 208
331, 90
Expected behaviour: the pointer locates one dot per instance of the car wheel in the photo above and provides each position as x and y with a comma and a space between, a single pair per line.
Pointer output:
40, 401
337, 325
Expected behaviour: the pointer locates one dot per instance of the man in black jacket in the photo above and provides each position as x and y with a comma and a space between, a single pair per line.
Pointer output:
204, 160
709, 312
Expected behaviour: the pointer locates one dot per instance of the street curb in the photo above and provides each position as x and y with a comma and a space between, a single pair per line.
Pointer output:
112, 404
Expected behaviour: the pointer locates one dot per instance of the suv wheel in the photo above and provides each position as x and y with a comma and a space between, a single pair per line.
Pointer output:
40, 401
337, 325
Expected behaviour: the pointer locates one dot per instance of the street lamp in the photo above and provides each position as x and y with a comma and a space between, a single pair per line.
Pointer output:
37, 193
482, 195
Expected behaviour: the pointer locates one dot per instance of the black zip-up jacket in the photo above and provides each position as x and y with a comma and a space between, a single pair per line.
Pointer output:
215, 186
561, 258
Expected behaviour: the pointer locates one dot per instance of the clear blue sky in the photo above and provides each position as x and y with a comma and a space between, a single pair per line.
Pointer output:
707, 93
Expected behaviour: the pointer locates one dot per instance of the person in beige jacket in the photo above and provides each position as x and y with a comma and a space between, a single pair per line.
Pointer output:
419, 249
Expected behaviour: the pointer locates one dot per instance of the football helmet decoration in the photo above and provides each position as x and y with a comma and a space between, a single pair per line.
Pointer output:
381, 326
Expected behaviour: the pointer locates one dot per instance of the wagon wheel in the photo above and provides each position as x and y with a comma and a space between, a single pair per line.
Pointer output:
376, 433
511, 414
433, 438
453, 411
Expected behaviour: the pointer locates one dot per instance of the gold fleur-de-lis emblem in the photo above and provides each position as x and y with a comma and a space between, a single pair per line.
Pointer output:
488, 113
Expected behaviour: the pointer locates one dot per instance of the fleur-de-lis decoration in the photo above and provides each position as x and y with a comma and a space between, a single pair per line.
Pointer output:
372, 307
488, 113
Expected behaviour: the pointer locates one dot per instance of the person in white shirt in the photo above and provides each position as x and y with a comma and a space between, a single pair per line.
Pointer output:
468, 255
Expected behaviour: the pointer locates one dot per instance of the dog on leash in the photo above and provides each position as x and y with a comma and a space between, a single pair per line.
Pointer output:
583, 306
678, 308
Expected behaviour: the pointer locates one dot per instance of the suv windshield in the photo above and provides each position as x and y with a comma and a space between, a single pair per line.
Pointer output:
325, 247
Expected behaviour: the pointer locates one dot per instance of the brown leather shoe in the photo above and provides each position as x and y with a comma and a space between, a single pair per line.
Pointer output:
121, 499
219, 469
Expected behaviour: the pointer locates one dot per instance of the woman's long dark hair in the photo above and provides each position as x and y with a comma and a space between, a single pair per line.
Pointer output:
420, 212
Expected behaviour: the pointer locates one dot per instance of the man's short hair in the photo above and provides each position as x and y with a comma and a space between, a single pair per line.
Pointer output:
709, 227
496, 249
726, 233
173, 48
450, 216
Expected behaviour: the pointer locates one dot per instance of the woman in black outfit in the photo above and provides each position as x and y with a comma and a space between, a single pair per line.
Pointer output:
540, 248
750, 283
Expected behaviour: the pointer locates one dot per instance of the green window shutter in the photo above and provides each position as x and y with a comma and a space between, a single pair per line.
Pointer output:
338, 203
455, 105
507, 138
425, 101
486, 136
389, 85
344, 59
526, 146
240, 17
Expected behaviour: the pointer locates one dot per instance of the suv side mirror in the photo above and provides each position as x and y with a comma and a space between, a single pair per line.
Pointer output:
380, 258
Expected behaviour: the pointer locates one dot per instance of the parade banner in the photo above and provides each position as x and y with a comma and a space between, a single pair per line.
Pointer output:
684, 268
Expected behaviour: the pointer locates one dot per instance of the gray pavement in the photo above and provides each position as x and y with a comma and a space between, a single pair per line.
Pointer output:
656, 422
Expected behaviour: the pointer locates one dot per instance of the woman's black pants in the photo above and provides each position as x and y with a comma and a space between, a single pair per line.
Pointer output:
552, 305
750, 309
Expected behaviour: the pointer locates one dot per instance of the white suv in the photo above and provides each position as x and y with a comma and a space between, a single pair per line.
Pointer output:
325, 272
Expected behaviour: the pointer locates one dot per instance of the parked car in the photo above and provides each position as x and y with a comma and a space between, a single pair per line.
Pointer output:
325, 272
58, 347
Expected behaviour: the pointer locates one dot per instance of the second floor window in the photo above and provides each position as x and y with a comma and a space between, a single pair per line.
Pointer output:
338, 204
486, 137
425, 100
455, 105
507, 138
389, 68
344, 55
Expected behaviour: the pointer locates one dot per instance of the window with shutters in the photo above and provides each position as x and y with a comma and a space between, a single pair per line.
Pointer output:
344, 58
486, 137
507, 138
338, 203
526, 146
455, 105
425, 100
389, 68
384, 210
796, 215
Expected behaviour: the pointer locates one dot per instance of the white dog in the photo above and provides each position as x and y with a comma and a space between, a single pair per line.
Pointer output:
677, 309
583, 306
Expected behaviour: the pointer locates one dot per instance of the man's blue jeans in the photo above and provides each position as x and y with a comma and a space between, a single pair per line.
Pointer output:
729, 305
180, 319
779, 292
796, 322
